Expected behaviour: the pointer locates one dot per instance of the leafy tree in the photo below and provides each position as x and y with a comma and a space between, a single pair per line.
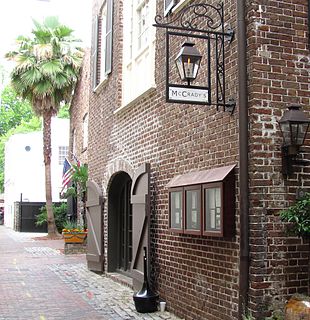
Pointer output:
13, 110
47, 68
34, 124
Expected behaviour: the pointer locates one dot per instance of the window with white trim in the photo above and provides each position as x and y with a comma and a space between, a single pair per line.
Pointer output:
63, 152
102, 43
85, 131
168, 5
139, 49
143, 26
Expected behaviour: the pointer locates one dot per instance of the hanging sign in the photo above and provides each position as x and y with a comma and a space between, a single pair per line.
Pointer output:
188, 94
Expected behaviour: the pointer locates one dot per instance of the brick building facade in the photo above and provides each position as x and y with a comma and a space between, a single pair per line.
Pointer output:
201, 276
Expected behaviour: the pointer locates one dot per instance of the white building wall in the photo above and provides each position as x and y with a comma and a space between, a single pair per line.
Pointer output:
24, 167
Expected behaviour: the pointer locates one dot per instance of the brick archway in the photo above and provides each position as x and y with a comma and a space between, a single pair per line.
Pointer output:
113, 167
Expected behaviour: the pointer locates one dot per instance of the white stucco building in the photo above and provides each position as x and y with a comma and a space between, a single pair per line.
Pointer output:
24, 167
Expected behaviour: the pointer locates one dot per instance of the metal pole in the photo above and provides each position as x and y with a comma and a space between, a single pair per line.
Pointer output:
243, 160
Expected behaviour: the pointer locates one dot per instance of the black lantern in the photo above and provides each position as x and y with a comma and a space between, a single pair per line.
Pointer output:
294, 126
188, 62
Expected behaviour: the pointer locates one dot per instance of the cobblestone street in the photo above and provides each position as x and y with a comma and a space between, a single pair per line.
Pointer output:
37, 281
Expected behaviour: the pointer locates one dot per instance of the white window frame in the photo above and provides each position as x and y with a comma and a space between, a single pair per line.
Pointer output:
180, 5
103, 45
138, 60
103, 40
168, 5
63, 152
85, 131
143, 28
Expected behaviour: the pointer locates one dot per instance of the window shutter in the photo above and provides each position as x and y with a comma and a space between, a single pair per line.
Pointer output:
94, 55
109, 37
169, 4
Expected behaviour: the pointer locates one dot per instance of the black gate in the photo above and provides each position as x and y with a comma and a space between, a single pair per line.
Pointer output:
28, 212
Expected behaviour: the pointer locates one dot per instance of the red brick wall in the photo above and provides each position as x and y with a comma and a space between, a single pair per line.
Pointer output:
198, 276
278, 69
79, 108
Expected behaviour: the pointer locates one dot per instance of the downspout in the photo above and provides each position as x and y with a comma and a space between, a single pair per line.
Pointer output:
243, 160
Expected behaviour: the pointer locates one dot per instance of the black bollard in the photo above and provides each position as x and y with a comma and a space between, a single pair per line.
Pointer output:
145, 299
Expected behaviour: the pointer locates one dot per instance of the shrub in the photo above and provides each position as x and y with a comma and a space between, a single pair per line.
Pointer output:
298, 216
60, 213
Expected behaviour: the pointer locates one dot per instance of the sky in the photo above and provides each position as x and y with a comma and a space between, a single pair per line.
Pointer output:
16, 19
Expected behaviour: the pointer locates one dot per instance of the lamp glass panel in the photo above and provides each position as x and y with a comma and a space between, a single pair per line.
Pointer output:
176, 209
193, 210
286, 133
213, 209
294, 133
189, 68
179, 65
302, 131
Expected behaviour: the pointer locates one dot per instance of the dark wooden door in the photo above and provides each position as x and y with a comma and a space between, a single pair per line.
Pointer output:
94, 215
140, 199
125, 228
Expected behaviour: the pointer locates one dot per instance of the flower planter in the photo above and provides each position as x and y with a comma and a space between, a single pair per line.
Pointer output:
74, 237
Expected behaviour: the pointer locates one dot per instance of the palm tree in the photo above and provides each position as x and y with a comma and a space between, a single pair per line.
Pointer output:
46, 69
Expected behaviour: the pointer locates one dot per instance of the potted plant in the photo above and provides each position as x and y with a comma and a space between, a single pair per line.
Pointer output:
73, 233
298, 216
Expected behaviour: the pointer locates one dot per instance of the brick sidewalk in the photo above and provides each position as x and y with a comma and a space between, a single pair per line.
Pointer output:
38, 282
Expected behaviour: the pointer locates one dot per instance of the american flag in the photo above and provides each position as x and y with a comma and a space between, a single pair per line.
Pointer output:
67, 174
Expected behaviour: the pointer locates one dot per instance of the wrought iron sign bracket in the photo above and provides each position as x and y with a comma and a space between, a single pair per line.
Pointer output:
205, 23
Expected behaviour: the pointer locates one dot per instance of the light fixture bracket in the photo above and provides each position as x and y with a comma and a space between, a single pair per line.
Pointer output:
203, 22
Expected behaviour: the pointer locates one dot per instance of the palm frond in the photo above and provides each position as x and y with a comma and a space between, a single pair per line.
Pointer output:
63, 31
43, 51
51, 67
31, 77
51, 22
24, 62
43, 89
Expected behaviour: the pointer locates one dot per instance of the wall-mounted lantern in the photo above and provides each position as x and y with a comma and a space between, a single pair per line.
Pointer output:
188, 62
202, 23
294, 126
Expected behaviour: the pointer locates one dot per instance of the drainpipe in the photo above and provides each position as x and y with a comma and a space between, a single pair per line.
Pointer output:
243, 160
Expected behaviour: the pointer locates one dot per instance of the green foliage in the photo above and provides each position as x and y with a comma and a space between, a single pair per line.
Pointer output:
72, 226
47, 65
79, 180
247, 316
298, 216
80, 177
60, 212
13, 110
34, 124
64, 112
277, 315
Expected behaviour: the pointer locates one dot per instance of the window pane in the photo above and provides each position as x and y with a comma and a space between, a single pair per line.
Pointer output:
213, 209
63, 153
176, 209
193, 210
103, 32
143, 24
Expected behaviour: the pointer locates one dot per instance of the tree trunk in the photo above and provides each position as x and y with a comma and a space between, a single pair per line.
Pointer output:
47, 151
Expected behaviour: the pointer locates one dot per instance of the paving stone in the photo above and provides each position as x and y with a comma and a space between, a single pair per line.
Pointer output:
39, 282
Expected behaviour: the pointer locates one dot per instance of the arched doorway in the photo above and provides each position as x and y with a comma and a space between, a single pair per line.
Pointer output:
120, 224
